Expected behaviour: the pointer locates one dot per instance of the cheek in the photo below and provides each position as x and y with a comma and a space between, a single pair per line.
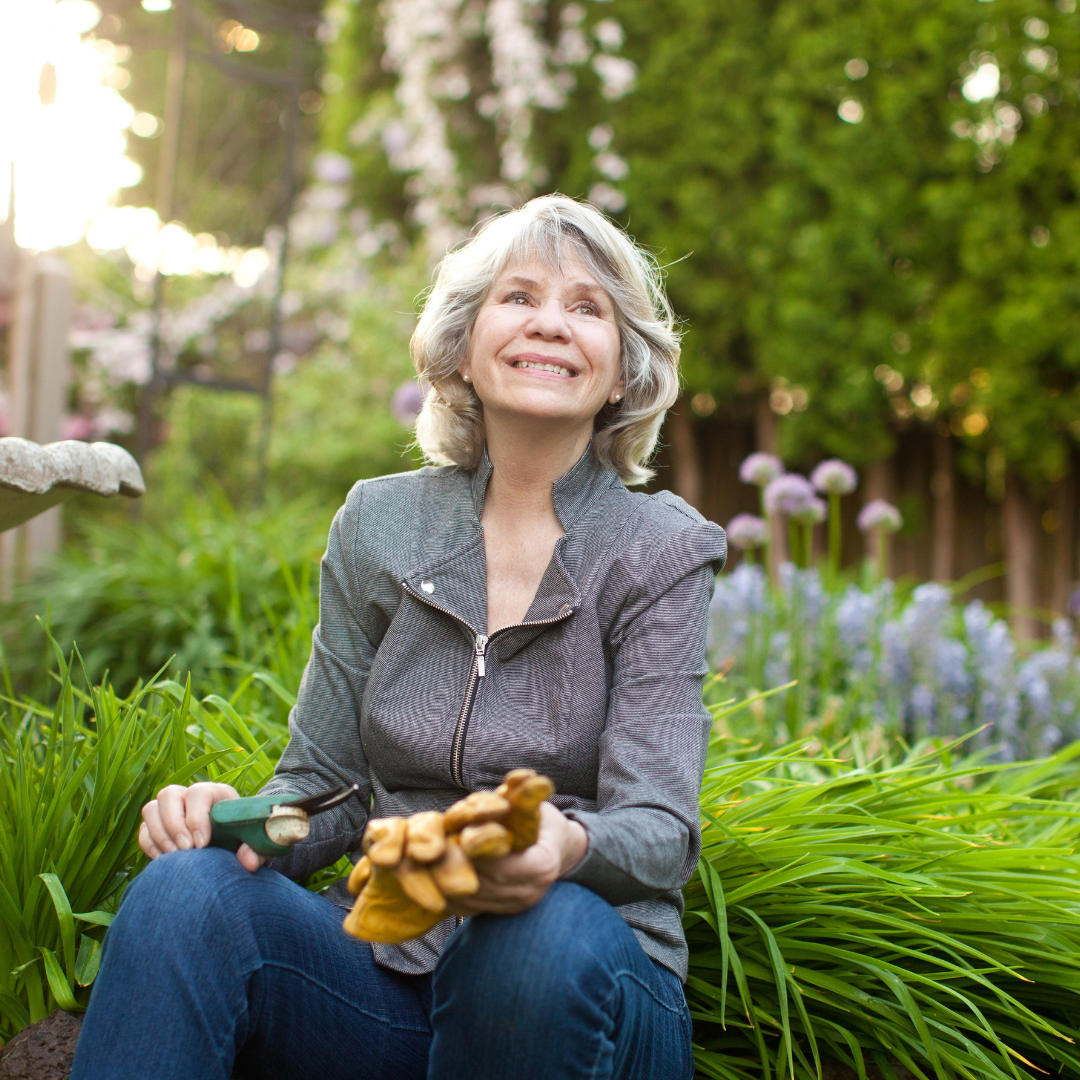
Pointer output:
493, 329
603, 347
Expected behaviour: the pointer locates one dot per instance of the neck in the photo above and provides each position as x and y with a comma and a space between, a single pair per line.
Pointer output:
527, 460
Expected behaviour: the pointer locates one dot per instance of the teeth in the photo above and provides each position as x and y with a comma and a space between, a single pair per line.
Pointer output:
559, 370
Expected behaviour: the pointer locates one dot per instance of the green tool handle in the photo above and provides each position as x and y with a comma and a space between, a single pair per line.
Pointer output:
243, 821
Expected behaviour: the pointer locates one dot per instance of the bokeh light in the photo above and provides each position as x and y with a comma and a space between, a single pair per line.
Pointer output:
70, 156
983, 83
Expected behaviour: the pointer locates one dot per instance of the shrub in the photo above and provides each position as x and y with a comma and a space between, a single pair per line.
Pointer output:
206, 591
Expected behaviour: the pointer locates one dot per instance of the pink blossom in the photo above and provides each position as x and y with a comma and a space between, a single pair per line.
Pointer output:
760, 469
790, 494
835, 477
77, 427
879, 514
747, 531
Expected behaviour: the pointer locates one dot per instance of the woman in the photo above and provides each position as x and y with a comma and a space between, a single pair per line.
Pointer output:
514, 606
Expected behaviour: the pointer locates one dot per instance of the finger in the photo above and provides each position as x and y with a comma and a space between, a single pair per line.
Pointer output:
158, 836
172, 807
149, 848
197, 805
532, 865
249, 858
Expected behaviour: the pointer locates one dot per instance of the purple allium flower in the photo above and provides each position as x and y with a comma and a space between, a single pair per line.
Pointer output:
789, 494
816, 511
747, 531
879, 514
835, 477
407, 402
760, 469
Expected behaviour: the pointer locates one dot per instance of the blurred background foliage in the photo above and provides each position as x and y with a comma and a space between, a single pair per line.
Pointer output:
866, 211
838, 187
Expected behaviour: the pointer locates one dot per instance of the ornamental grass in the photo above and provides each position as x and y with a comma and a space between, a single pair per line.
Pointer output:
73, 780
923, 914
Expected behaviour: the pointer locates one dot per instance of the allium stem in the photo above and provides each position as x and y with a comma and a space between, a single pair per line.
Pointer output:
766, 551
834, 532
882, 538
807, 544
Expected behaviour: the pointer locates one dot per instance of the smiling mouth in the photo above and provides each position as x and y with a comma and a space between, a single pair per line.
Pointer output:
535, 365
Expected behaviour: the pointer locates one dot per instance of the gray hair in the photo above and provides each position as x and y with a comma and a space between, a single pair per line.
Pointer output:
450, 427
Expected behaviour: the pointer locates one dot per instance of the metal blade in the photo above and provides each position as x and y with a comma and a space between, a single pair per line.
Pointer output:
324, 800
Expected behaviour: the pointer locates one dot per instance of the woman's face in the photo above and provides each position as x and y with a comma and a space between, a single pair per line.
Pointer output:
545, 345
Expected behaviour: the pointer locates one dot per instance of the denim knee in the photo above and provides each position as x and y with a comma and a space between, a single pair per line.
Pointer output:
193, 875
174, 896
572, 938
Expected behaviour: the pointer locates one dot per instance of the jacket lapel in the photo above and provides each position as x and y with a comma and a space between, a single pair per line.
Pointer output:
455, 581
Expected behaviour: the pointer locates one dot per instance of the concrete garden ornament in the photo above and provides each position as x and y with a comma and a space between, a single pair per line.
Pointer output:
412, 866
35, 478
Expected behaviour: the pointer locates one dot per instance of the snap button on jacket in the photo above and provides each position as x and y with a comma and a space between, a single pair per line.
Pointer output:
599, 687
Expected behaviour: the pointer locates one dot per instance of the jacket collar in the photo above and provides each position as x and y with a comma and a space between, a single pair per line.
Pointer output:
572, 493
457, 579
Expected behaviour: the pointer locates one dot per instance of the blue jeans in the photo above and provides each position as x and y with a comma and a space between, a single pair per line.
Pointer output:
210, 971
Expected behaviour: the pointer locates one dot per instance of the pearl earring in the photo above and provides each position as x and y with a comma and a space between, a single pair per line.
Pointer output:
465, 377
618, 397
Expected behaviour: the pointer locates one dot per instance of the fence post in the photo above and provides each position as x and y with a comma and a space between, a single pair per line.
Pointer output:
38, 378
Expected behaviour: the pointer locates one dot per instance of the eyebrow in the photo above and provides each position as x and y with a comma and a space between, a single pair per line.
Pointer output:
586, 286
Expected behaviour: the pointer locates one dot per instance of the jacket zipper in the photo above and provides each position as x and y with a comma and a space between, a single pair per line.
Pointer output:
476, 673
457, 746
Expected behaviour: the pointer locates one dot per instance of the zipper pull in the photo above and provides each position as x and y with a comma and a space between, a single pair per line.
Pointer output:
481, 648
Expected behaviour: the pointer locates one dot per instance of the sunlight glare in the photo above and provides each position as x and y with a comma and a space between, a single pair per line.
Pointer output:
69, 156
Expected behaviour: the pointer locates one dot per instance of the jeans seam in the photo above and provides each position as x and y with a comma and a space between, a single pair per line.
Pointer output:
339, 997
648, 990
616, 978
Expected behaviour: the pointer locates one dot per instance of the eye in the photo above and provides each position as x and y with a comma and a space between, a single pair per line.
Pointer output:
587, 307
516, 298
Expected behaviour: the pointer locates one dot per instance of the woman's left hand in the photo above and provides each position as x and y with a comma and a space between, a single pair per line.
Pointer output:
517, 881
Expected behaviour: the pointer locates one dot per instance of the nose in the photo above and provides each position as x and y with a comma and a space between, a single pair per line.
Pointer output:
549, 321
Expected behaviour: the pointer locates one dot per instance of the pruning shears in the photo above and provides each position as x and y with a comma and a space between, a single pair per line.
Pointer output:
270, 824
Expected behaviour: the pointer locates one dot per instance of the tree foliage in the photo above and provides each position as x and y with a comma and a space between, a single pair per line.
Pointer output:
868, 207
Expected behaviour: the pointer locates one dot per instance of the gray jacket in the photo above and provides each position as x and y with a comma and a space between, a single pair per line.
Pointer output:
598, 688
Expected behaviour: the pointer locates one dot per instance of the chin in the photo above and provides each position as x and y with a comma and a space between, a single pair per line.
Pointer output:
542, 406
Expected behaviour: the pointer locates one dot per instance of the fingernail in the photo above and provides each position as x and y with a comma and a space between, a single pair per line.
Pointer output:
198, 838
183, 842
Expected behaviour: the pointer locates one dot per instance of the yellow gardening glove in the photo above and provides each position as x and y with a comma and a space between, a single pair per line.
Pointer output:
412, 865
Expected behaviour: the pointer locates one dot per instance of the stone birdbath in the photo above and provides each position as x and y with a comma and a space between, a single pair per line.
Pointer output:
34, 478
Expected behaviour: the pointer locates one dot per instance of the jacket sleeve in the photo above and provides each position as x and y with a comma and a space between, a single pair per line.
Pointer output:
645, 835
324, 748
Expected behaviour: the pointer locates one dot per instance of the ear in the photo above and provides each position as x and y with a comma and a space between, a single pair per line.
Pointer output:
463, 371
618, 391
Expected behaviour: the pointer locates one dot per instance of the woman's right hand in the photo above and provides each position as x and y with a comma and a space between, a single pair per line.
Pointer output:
179, 819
